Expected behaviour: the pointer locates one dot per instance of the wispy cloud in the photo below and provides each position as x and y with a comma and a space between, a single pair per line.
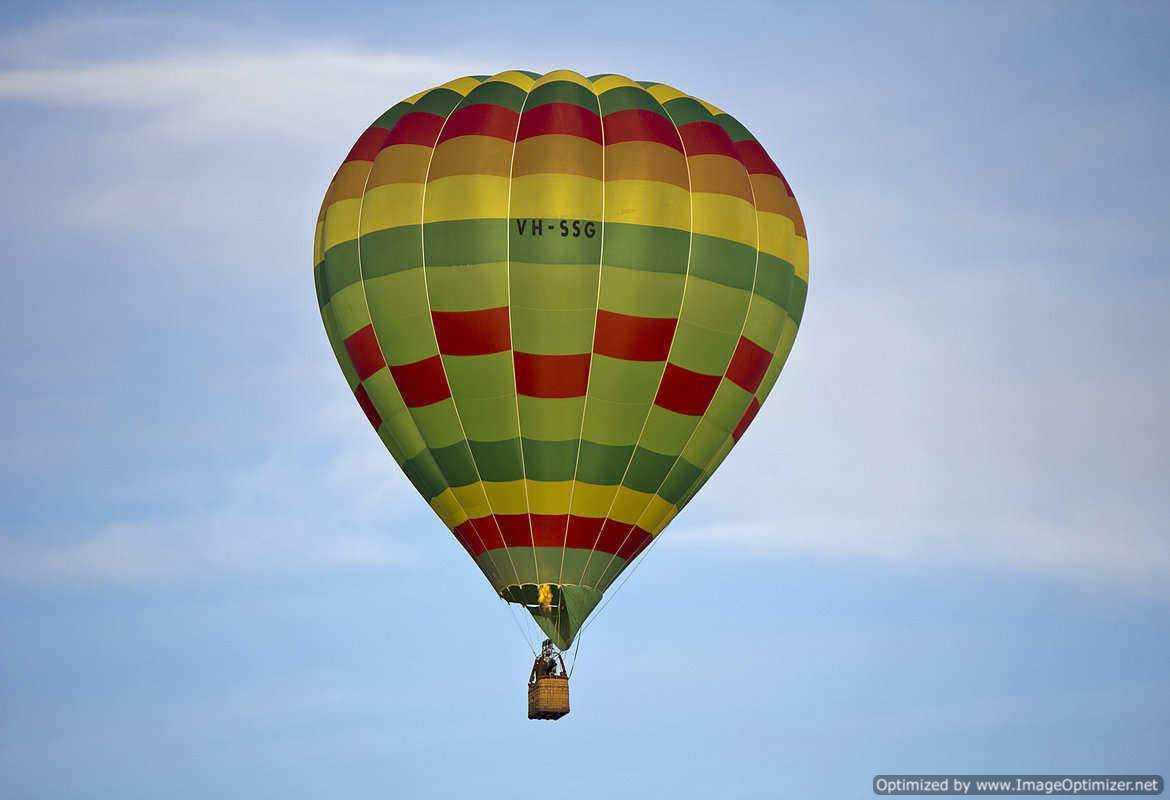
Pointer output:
971, 384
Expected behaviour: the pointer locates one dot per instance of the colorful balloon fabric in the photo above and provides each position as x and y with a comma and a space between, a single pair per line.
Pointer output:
560, 301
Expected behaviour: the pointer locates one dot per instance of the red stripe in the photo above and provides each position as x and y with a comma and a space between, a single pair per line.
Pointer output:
465, 534
635, 542
551, 376
756, 158
706, 138
363, 398
633, 338
417, 127
748, 365
421, 383
640, 125
686, 392
481, 119
364, 352
548, 530
368, 145
748, 415
472, 333
563, 118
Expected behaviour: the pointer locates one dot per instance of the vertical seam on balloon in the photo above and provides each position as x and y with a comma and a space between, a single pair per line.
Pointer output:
374, 330
731, 357
592, 346
665, 364
434, 333
511, 339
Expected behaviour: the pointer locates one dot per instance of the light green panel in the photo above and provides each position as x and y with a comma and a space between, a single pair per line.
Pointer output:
641, 293
704, 442
552, 332
551, 419
609, 422
468, 288
475, 377
489, 420
716, 307
618, 380
553, 285
702, 350
438, 424
667, 431
349, 310
765, 323
727, 406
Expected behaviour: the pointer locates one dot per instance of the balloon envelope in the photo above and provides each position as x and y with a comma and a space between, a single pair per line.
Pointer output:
560, 301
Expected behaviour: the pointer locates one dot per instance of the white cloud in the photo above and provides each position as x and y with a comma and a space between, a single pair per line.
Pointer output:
995, 420
975, 383
277, 516
281, 89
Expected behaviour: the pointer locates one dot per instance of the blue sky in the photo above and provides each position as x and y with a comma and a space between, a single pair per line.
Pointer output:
216, 583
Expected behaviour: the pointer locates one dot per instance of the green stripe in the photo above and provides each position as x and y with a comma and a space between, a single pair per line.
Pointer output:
549, 461
455, 462
562, 92
390, 118
684, 110
498, 461
774, 279
796, 297
723, 261
735, 130
644, 247
438, 101
624, 98
676, 484
340, 269
391, 250
603, 464
424, 474
500, 93
647, 470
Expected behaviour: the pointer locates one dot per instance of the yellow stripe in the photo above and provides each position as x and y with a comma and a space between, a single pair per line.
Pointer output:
778, 237
318, 250
648, 203
657, 513
559, 154
664, 94
602, 85
506, 497
466, 197
341, 222
392, 206
471, 155
724, 216
447, 508
461, 85
628, 505
548, 497
400, 163
711, 109
543, 196
517, 79
349, 180
473, 499
801, 258
564, 75
591, 500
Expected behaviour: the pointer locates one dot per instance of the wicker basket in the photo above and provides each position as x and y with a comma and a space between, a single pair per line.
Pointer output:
548, 698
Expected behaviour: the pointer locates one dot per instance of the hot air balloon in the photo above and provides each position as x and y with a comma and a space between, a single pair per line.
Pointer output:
560, 301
